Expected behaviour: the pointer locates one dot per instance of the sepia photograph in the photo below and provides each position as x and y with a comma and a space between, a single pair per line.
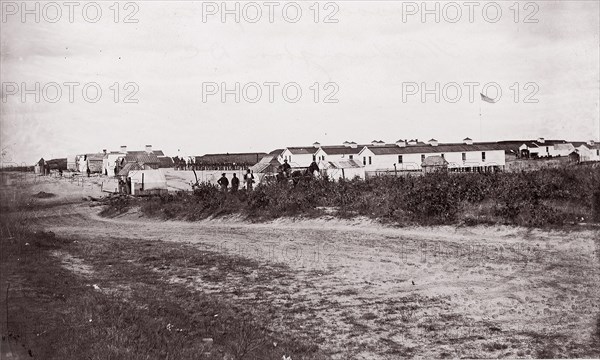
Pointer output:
299, 180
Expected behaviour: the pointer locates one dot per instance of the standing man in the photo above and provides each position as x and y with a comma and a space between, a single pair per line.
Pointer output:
312, 168
235, 183
223, 182
286, 168
249, 179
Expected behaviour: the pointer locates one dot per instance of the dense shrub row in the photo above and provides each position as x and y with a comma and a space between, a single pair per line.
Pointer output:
539, 198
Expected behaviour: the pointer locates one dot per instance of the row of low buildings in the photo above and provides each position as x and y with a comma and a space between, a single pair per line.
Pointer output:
351, 159
346, 160
110, 163
414, 155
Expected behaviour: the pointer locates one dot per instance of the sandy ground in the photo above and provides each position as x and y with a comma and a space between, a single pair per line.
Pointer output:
373, 292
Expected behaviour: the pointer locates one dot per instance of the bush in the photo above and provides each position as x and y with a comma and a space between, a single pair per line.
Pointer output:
538, 198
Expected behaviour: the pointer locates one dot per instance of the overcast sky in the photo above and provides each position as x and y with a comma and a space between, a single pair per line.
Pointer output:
371, 55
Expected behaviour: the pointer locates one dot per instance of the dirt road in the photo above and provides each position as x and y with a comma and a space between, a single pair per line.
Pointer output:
368, 291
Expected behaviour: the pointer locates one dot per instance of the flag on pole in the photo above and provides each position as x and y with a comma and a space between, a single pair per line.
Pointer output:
487, 99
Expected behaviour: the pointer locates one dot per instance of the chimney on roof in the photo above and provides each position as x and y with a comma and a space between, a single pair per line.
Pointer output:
468, 141
412, 142
148, 148
433, 142
123, 148
316, 144
104, 151
401, 143
353, 145
591, 143
346, 143
541, 140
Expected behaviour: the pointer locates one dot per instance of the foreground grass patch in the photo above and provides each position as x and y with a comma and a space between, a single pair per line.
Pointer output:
124, 308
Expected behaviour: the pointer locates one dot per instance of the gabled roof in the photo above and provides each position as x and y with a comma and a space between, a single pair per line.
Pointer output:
550, 142
132, 166
596, 146
425, 149
268, 162
306, 150
235, 158
141, 157
567, 146
277, 152
95, 157
340, 150
57, 164
533, 143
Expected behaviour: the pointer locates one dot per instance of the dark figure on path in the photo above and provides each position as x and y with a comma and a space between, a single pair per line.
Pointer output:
286, 168
249, 179
223, 182
235, 183
88, 171
312, 168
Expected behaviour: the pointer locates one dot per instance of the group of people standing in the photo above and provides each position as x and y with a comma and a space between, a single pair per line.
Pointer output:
235, 182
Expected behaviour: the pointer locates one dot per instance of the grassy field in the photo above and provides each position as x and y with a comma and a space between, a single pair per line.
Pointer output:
128, 299
76, 285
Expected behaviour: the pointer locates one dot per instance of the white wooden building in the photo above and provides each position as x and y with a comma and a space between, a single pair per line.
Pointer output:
589, 151
544, 148
466, 156
300, 157
110, 159
345, 152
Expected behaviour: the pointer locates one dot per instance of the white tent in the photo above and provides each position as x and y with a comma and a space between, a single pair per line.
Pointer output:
343, 169
145, 180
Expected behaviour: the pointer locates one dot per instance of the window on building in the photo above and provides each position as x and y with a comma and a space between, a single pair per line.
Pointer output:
369, 160
483, 156
399, 159
547, 150
290, 160
351, 157
364, 160
443, 157
314, 157
598, 152
323, 157
464, 156
422, 158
